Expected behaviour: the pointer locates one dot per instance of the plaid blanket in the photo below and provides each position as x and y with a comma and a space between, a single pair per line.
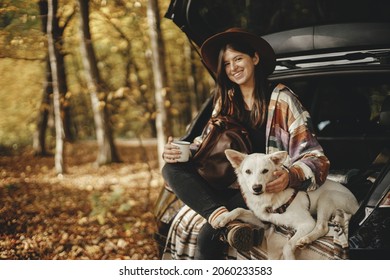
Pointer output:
181, 240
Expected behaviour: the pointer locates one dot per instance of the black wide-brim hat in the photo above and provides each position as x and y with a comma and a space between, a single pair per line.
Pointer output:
211, 47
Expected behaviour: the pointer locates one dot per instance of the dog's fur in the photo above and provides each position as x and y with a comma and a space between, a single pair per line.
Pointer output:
255, 171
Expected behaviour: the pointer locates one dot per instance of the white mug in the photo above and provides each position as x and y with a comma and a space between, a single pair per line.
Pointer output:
184, 148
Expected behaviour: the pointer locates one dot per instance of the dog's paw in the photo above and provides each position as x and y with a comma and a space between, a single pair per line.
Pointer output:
303, 242
222, 220
338, 228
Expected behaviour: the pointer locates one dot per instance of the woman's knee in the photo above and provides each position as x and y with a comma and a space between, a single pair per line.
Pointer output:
175, 173
166, 170
170, 172
172, 169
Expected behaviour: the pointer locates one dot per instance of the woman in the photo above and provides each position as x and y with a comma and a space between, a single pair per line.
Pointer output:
276, 121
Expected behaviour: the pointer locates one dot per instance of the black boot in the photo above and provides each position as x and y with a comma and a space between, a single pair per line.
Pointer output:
242, 236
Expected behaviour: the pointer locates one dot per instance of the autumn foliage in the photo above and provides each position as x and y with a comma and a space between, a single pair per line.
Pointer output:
90, 213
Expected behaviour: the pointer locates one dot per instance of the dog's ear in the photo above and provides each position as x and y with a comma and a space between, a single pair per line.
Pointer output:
234, 157
278, 157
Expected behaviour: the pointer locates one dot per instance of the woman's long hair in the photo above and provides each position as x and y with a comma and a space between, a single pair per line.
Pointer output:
229, 93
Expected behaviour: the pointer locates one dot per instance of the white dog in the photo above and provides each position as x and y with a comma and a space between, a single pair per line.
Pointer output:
289, 207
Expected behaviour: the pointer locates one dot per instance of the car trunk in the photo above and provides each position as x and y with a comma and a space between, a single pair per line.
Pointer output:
336, 56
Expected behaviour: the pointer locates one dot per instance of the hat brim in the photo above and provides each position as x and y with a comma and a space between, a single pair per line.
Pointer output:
211, 47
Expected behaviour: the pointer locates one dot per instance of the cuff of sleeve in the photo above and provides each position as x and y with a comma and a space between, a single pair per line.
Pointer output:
294, 177
216, 213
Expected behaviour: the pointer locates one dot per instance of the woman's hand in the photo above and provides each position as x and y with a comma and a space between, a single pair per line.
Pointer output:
171, 152
280, 183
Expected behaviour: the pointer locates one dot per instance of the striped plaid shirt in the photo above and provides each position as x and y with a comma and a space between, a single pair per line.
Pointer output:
289, 128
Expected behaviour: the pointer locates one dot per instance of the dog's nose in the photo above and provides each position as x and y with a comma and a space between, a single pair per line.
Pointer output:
258, 188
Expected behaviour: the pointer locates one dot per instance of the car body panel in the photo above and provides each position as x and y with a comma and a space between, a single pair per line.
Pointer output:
327, 38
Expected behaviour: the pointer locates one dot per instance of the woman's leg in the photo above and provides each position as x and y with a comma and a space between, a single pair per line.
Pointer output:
191, 188
209, 246
211, 243
194, 191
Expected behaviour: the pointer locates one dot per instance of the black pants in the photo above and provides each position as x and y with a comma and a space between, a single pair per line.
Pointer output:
195, 192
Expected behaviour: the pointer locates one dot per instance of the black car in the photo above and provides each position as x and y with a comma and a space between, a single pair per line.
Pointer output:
336, 56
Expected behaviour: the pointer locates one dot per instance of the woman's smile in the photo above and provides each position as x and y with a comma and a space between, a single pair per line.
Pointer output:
237, 74
239, 67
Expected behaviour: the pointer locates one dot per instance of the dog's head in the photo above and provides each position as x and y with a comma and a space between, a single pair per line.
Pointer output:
254, 171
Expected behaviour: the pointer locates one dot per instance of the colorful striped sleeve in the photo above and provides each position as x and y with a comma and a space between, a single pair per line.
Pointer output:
289, 128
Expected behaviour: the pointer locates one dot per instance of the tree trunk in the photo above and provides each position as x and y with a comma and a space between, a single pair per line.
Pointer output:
107, 151
39, 138
159, 76
39, 141
59, 154
131, 64
62, 80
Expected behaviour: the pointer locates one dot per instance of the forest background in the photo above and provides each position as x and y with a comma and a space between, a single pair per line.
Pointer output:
121, 40
94, 208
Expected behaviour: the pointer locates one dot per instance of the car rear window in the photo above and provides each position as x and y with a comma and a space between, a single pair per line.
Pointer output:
346, 114
353, 98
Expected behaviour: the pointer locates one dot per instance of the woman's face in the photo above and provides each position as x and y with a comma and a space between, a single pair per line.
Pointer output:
240, 67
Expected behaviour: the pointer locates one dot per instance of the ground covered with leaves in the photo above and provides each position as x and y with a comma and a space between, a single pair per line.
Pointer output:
89, 212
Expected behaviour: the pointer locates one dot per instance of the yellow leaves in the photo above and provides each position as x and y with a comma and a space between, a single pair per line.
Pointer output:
114, 49
101, 105
144, 87
17, 41
104, 206
137, 4
174, 112
167, 103
92, 250
122, 92
88, 214
68, 95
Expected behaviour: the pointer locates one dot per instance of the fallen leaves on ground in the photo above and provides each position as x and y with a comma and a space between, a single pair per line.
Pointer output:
87, 213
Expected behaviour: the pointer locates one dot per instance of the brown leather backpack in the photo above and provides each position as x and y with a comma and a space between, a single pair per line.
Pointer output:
221, 133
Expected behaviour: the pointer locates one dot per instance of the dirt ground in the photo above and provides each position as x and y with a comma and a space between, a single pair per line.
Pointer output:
89, 212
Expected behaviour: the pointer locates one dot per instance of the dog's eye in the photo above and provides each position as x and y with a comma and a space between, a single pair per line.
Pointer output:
248, 171
264, 171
